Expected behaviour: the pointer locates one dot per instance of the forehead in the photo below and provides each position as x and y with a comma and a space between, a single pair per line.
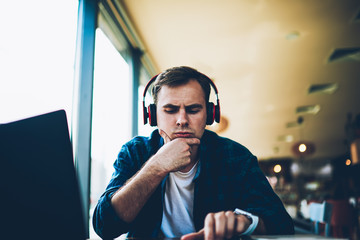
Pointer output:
189, 93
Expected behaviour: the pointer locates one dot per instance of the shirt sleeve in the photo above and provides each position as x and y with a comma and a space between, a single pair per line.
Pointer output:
106, 222
263, 201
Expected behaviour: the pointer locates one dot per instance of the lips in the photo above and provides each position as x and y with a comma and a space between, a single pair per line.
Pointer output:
183, 135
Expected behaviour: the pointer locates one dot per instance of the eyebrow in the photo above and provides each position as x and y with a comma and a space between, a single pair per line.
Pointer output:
195, 105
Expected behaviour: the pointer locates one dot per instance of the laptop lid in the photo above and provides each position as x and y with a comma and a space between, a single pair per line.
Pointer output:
39, 190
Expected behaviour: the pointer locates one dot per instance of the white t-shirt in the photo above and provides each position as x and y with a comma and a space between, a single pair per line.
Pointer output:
178, 204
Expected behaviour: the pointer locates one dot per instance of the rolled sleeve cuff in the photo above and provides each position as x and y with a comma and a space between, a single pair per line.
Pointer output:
106, 221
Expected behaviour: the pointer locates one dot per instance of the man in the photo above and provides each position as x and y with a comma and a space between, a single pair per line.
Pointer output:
185, 181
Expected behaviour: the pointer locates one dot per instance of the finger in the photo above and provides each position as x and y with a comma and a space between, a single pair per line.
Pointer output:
192, 141
220, 223
164, 136
194, 236
230, 224
241, 222
209, 227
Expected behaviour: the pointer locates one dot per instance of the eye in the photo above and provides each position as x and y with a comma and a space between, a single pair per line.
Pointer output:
193, 110
170, 110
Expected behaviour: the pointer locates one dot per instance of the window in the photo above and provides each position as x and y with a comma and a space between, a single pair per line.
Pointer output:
37, 53
111, 115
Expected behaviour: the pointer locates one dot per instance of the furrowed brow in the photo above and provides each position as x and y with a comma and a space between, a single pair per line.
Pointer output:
169, 105
192, 106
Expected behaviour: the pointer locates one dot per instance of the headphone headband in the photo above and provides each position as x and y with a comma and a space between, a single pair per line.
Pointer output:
148, 84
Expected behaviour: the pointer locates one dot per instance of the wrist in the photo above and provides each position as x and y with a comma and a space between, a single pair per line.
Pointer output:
254, 220
155, 167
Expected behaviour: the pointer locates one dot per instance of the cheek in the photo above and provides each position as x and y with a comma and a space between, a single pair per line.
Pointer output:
163, 120
201, 120
159, 119
200, 128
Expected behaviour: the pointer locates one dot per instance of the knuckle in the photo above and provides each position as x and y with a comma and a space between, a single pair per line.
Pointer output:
229, 213
209, 216
220, 216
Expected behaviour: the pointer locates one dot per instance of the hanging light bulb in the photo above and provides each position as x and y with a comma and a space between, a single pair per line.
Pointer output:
348, 162
277, 168
302, 147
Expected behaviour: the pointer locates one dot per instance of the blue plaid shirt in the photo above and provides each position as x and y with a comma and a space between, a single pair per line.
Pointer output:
228, 177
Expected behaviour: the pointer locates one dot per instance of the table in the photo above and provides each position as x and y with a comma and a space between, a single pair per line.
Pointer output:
292, 237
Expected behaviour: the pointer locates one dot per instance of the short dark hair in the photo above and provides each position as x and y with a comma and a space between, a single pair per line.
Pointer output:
178, 76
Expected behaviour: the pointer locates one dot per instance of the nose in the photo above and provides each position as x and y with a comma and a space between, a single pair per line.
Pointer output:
182, 118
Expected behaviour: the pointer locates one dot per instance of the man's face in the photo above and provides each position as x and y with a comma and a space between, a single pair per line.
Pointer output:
181, 110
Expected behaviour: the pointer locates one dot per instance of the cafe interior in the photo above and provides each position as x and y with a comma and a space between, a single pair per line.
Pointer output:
287, 74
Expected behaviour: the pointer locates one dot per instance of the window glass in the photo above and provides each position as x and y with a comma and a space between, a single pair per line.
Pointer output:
37, 53
111, 115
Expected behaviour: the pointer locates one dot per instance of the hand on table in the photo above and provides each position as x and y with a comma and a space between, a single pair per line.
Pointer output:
220, 225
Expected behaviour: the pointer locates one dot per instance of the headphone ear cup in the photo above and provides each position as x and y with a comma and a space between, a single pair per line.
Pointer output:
217, 113
210, 110
152, 115
145, 115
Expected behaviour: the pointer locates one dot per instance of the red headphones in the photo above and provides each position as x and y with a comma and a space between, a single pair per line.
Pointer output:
213, 111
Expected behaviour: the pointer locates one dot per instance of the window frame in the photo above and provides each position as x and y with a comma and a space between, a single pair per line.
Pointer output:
110, 16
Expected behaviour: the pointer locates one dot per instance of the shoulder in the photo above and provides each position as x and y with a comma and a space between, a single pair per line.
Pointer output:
153, 139
139, 149
224, 146
136, 152
145, 144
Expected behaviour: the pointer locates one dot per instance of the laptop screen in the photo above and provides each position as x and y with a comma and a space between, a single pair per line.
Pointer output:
40, 195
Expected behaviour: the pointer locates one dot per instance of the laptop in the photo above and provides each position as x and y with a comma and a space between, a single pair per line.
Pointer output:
39, 191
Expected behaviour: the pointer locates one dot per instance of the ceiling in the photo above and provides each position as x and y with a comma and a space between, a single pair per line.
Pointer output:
263, 56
